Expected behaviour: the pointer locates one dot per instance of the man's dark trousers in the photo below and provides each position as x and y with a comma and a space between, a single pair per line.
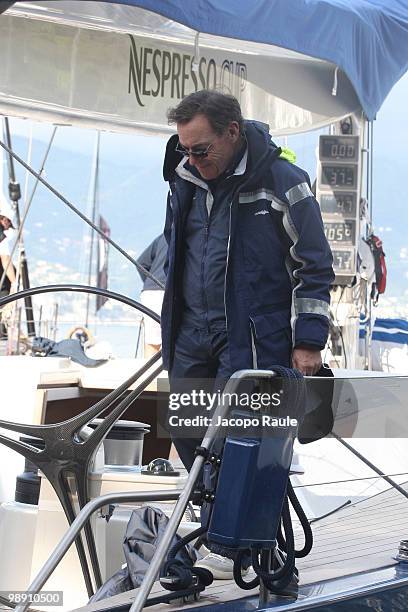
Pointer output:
200, 353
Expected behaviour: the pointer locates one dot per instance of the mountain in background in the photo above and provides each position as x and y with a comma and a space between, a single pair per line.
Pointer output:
131, 197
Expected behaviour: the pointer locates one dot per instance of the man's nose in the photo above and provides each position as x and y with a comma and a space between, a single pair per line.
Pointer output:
192, 159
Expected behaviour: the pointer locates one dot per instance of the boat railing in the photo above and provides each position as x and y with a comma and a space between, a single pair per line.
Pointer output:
81, 521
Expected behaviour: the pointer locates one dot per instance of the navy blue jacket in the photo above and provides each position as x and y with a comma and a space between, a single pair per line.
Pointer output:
278, 265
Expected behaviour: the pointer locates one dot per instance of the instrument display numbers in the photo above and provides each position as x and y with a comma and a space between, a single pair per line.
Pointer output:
339, 202
339, 175
343, 261
342, 231
339, 148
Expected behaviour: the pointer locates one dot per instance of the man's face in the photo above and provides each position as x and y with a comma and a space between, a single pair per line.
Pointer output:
198, 134
5, 222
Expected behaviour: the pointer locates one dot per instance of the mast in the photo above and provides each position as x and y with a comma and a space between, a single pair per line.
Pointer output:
94, 198
15, 195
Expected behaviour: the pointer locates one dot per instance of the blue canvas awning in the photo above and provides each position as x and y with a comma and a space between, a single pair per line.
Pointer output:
119, 65
367, 39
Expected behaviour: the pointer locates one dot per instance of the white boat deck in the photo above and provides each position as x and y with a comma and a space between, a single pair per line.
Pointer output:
357, 539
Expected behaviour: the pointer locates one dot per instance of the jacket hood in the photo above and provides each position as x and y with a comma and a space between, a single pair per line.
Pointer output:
172, 158
260, 148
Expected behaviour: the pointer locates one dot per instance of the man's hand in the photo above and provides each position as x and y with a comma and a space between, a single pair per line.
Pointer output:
307, 361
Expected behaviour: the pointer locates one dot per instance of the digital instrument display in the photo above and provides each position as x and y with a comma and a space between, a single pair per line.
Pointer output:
337, 190
339, 175
339, 202
343, 261
339, 148
340, 231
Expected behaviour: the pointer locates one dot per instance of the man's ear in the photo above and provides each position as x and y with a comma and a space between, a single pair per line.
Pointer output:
233, 131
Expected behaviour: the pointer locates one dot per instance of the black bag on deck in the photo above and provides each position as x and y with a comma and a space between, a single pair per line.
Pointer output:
143, 533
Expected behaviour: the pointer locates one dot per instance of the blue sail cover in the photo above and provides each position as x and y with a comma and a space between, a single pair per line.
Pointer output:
367, 39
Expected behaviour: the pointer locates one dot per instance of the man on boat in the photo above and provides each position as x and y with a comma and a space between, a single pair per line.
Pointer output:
249, 267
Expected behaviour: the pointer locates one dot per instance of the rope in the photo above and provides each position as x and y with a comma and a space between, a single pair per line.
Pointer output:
246, 586
303, 521
183, 577
277, 576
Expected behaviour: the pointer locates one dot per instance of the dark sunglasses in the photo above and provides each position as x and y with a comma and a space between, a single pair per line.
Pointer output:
200, 153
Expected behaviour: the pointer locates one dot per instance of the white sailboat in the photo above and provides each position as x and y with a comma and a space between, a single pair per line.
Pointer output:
118, 66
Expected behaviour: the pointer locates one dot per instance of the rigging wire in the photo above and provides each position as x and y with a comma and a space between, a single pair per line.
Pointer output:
26, 180
15, 197
29, 158
81, 215
371, 465
318, 484
330, 513
371, 172
28, 205
338, 328
370, 180
93, 200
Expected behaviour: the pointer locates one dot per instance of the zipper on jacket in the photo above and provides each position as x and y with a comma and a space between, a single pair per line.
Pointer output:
226, 267
253, 345
274, 156
204, 257
206, 213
